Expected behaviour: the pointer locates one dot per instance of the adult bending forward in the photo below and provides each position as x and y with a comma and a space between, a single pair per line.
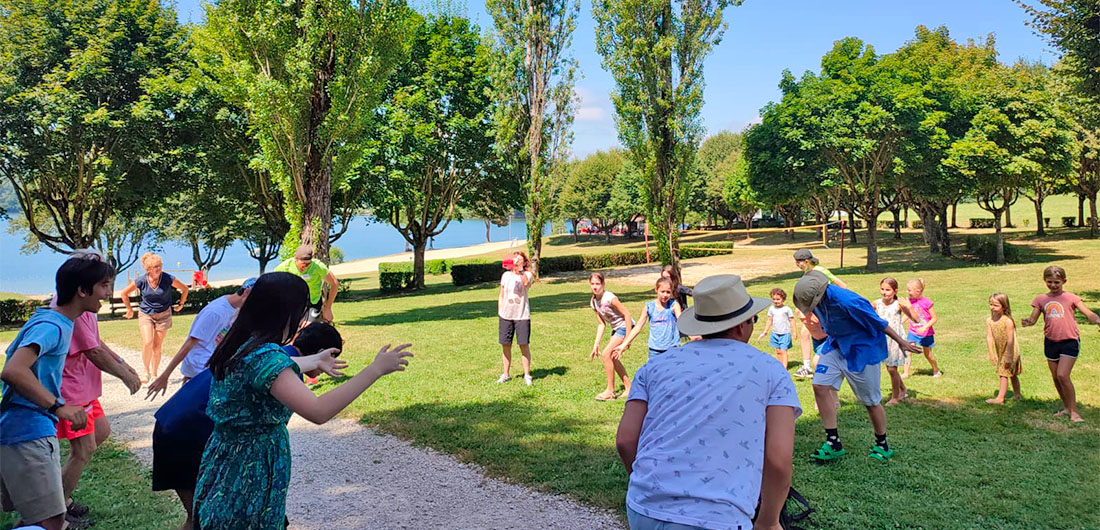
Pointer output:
316, 274
155, 309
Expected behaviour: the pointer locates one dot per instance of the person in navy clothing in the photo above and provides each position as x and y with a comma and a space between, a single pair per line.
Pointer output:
182, 426
154, 309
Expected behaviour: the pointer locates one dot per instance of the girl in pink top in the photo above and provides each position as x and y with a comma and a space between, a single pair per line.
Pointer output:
921, 331
1062, 340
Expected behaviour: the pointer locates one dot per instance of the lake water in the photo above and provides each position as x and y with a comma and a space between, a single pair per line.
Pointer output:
34, 273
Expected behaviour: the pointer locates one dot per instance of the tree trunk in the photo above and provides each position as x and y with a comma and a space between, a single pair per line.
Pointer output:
534, 236
264, 260
872, 246
607, 232
944, 235
906, 209
852, 226
1008, 217
1093, 229
1000, 238
317, 210
488, 225
954, 214
897, 224
1080, 209
419, 242
575, 231
1038, 202
927, 210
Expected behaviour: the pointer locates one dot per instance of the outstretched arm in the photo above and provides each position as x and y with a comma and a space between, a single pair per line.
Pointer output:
910, 347
1087, 312
1031, 320
160, 385
108, 361
631, 336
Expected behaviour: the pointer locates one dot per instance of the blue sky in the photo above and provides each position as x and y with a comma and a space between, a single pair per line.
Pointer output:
766, 36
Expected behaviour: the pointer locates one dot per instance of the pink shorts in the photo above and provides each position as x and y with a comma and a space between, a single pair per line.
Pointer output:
65, 429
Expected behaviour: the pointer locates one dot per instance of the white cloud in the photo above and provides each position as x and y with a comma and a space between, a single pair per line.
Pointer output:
590, 114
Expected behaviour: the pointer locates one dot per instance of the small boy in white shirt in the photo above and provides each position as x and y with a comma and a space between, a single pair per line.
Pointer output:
781, 324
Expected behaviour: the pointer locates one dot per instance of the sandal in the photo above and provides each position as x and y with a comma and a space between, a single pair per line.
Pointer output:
826, 453
606, 396
880, 454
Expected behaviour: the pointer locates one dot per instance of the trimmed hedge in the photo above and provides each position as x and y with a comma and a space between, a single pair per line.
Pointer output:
917, 224
393, 277
982, 223
199, 298
890, 224
985, 249
1069, 222
14, 311
471, 273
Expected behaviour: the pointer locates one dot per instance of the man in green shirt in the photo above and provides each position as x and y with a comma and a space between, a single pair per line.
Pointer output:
315, 274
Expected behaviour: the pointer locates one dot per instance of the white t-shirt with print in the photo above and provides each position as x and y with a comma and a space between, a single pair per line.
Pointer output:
516, 305
209, 328
701, 451
781, 319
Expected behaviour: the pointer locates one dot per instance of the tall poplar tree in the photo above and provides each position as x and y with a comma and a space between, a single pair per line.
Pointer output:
655, 51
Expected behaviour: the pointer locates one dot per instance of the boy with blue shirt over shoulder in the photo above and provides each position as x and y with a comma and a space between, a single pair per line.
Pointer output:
31, 403
853, 350
707, 435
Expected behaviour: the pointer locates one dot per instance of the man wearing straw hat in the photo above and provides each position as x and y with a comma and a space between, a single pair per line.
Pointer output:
708, 431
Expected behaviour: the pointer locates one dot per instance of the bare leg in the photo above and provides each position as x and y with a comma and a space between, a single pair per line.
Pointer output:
931, 360
609, 367
1053, 365
79, 456
878, 418
507, 357
905, 372
1000, 393
1015, 387
782, 354
1069, 393
525, 349
158, 345
187, 499
148, 334
826, 399
807, 343
897, 387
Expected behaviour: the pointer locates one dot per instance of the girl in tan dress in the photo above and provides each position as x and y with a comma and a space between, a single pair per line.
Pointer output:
1004, 351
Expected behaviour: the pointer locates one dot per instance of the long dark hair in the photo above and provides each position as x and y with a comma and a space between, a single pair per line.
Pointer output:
271, 313
673, 275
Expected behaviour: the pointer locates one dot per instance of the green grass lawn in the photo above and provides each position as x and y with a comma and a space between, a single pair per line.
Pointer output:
960, 463
117, 488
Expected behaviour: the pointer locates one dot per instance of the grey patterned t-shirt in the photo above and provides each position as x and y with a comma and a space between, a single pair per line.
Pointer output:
701, 452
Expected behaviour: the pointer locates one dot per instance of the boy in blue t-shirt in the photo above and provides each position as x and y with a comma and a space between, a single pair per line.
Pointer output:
852, 351
30, 464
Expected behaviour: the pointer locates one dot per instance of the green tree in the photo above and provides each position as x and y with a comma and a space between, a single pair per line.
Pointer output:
1019, 136
76, 143
655, 51
533, 75
707, 194
308, 74
1072, 26
435, 144
588, 189
627, 203
740, 198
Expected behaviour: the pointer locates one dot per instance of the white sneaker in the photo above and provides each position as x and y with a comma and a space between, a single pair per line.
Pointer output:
527, 380
804, 371
504, 378
937, 374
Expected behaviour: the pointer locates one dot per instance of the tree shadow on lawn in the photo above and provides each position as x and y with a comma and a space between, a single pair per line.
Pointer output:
519, 441
959, 463
487, 309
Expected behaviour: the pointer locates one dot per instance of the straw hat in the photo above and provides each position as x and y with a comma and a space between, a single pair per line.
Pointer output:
721, 302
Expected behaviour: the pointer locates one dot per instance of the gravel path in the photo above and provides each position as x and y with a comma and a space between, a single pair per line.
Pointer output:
346, 477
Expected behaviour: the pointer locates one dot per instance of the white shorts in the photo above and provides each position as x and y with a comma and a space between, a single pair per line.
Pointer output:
832, 370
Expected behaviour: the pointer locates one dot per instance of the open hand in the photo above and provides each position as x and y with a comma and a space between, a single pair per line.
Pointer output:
157, 387
129, 314
74, 415
912, 347
389, 361
329, 364
595, 353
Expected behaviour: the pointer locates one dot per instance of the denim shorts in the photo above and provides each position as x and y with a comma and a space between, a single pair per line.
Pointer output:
780, 341
619, 332
925, 342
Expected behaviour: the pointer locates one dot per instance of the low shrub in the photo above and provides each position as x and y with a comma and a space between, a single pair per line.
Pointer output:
693, 252
985, 249
1069, 222
394, 277
197, 299
471, 273
917, 224
14, 311
889, 225
981, 223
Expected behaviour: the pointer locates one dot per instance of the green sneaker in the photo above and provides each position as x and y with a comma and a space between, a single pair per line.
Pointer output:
826, 453
880, 454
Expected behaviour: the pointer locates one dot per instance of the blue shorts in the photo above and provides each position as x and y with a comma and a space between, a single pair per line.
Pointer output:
620, 332
926, 342
653, 352
780, 342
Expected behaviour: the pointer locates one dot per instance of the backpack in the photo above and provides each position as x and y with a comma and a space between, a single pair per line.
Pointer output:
795, 510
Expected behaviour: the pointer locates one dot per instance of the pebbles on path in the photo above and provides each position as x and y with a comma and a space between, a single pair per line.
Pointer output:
347, 477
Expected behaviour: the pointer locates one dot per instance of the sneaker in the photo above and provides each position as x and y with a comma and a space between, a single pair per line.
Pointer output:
77, 509
804, 371
826, 453
880, 454
937, 374
527, 380
504, 378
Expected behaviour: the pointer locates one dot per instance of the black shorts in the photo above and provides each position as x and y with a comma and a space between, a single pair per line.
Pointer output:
175, 462
1055, 349
520, 329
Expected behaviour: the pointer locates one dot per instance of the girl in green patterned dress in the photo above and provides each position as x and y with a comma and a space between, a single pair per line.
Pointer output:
245, 468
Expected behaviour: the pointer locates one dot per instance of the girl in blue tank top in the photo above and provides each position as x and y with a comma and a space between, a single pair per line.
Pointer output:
661, 314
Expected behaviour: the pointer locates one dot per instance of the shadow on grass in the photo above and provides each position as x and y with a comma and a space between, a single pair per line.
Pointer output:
519, 441
543, 373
